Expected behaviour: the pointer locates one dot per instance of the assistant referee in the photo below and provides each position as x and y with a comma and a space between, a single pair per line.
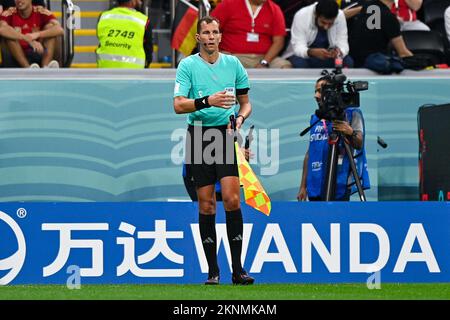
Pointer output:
207, 86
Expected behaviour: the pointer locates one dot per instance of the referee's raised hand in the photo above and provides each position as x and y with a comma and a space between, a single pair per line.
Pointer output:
222, 100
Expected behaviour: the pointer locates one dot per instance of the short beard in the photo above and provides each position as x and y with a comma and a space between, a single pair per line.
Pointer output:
317, 25
210, 52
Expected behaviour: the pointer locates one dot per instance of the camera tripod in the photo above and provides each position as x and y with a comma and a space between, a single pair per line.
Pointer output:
330, 180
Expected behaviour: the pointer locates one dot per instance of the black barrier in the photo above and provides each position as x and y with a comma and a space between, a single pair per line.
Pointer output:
434, 152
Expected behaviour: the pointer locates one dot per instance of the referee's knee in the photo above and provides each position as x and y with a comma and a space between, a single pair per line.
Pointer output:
207, 206
231, 202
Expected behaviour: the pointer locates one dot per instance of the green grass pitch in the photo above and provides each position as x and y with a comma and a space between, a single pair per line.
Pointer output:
390, 291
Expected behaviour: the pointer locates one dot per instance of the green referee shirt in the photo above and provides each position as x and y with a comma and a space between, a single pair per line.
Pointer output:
197, 78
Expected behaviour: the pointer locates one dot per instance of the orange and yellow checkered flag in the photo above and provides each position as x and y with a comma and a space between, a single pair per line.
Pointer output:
254, 193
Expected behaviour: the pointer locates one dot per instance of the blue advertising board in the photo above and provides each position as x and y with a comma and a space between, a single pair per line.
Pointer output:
159, 242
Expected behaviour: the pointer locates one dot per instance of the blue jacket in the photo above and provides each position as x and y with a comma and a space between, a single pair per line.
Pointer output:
318, 157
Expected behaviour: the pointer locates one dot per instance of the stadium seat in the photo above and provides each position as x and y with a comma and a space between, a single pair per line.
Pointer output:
426, 44
433, 16
439, 27
433, 11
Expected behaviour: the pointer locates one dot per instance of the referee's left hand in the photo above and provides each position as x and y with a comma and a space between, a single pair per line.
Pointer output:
238, 122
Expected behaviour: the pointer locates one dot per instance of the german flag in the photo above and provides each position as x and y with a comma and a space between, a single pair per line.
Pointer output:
184, 27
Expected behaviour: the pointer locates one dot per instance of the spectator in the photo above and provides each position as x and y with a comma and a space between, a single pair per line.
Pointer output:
370, 43
9, 33
350, 8
6, 4
42, 28
290, 7
405, 10
254, 31
318, 36
447, 22
124, 36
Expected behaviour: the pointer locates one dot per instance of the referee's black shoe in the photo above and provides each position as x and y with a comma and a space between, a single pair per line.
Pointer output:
242, 278
212, 280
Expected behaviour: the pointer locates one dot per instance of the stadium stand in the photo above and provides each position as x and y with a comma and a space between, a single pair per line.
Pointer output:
433, 11
426, 45
5, 57
85, 37
433, 16
85, 41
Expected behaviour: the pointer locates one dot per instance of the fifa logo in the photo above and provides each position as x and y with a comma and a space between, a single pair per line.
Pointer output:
15, 262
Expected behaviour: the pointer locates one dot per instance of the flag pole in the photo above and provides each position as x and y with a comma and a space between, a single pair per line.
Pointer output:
172, 17
233, 126
204, 4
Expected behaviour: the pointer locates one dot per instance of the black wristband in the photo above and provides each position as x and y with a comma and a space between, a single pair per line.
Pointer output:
201, 103
243, 118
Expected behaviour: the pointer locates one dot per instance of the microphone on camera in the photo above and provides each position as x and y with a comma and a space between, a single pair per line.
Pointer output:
381, 142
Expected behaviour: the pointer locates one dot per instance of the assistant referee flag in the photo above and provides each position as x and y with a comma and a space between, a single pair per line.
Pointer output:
254, 193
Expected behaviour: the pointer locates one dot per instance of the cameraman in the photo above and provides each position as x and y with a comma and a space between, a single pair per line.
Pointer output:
315, 161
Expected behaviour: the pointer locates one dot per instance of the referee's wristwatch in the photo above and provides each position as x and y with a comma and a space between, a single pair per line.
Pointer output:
264, 63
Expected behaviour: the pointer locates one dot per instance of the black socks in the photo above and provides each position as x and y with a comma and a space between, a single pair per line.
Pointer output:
235, 228
207, 225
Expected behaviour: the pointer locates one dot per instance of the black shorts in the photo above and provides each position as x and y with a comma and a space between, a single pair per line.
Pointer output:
31, 56
210, 155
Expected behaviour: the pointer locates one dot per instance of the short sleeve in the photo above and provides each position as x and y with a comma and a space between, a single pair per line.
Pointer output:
391, 25
279, 22
6, 19
183, 80
357, 122
241, 76
6, 16
45, 16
